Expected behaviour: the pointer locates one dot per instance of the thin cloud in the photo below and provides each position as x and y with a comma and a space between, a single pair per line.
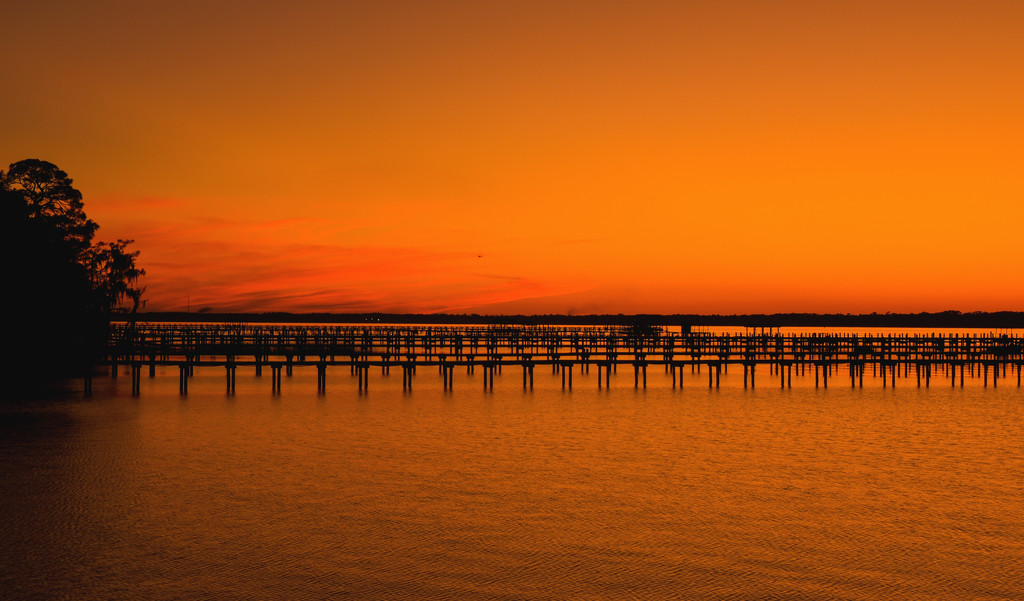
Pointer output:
252, 265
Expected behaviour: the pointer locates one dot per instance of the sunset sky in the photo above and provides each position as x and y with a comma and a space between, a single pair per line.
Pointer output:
550, 157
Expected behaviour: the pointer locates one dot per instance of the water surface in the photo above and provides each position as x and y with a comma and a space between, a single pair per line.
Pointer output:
734, 493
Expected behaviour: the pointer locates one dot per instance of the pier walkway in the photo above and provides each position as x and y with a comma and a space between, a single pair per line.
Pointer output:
702, 356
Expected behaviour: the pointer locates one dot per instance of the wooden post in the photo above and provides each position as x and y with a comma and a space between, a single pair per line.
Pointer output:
183, 378
136, 378
275, 377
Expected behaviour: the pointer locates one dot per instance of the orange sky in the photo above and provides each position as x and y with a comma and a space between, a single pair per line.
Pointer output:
494, 157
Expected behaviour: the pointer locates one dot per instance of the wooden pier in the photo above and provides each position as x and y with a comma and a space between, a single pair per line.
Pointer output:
893, 359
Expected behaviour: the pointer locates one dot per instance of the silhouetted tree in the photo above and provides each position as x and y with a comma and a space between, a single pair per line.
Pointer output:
50, 197
61, 287
113, 274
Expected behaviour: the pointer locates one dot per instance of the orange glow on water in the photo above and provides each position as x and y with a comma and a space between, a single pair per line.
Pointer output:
539, 157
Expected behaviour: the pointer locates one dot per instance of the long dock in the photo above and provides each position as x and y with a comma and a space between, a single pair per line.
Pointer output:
564, 350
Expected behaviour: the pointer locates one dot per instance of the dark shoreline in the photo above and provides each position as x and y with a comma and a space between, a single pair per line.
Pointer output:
945, 319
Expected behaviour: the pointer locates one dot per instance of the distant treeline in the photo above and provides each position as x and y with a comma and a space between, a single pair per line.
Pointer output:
945, 319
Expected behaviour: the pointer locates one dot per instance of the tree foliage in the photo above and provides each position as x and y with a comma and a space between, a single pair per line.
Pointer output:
62, 286
48, 195
113, 274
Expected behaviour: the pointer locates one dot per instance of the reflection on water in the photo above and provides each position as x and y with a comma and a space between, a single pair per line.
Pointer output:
606, 494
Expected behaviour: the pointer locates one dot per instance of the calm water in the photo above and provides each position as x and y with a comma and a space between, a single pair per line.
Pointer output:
623, 494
